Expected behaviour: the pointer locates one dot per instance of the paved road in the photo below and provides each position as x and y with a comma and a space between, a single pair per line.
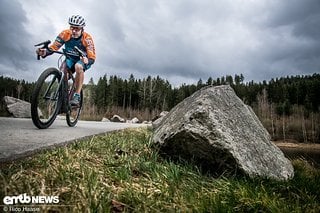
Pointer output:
20, 138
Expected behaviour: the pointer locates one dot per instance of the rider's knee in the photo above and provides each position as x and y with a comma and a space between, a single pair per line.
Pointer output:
78, 68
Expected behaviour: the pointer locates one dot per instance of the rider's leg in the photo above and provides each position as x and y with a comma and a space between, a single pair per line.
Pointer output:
79, 77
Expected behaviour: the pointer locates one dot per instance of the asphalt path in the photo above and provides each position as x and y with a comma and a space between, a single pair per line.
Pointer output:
19, 138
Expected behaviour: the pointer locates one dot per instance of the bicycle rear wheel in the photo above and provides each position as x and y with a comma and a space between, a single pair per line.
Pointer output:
73, 113
46, 98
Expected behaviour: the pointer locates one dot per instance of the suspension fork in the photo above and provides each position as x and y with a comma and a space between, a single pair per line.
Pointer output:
64, 87
55, 96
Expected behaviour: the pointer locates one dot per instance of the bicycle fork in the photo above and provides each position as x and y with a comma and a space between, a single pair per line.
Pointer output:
63, 93
67, 90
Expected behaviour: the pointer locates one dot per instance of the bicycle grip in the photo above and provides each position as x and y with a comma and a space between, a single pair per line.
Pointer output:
38, 57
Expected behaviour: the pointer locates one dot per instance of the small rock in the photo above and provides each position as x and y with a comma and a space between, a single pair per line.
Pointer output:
117, 118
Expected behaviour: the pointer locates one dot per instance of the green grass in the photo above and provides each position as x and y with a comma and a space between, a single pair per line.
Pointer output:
121, 171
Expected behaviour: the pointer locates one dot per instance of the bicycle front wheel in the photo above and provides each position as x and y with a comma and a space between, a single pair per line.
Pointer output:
73, 113
46, 98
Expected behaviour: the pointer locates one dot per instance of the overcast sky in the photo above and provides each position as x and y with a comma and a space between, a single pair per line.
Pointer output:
179, 40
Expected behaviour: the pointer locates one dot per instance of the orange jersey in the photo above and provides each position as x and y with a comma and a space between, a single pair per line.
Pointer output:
86, 44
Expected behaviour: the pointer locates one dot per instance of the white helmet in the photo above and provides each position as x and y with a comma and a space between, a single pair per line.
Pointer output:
77, 21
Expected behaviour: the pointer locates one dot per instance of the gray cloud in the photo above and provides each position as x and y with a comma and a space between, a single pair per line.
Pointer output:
14, 45
295, 46
178, 40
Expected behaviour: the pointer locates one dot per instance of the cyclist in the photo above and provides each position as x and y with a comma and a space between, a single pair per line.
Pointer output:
74, 36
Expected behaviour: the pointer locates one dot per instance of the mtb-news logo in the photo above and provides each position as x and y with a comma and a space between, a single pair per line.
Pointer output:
26, 199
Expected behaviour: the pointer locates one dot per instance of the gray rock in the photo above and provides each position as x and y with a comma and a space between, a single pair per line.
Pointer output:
18, 108
117, 118
105, 120
216, 128
135, 120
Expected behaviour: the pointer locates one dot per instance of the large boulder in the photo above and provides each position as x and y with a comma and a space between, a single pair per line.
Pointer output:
158, 120
18, 108
213, 126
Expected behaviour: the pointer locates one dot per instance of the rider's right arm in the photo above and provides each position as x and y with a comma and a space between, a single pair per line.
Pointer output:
60, 40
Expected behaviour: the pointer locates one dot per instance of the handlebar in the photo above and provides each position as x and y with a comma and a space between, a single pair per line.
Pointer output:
45, 45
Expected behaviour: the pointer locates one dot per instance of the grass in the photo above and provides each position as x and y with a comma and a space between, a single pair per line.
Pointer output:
121, 172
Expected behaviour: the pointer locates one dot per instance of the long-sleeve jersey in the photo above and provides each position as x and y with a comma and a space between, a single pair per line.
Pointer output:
84, 43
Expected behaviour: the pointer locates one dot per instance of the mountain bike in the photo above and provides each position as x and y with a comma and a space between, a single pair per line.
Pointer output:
53, 91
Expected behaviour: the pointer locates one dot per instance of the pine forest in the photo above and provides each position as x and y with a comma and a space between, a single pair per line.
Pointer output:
288, 107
